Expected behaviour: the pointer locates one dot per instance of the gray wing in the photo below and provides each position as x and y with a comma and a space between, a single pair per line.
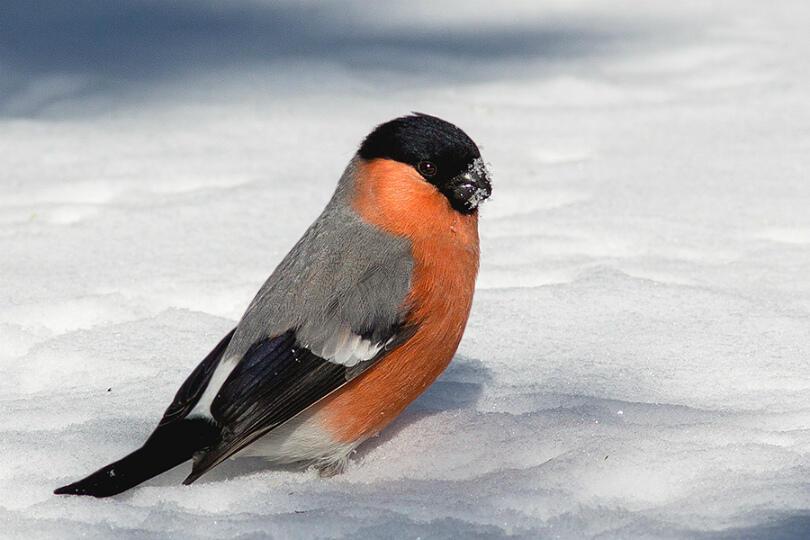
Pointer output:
335, 306
344, 275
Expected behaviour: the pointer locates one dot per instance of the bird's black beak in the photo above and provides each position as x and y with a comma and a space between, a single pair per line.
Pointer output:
470, 188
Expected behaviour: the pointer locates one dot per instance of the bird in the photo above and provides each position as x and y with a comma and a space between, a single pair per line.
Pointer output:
365, 311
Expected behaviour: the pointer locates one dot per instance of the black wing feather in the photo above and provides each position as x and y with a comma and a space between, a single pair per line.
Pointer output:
192, 389
276, 380
174, 441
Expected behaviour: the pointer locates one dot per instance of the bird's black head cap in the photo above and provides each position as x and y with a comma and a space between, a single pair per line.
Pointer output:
442, 153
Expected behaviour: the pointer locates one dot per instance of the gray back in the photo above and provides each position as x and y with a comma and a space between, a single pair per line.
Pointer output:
342, 272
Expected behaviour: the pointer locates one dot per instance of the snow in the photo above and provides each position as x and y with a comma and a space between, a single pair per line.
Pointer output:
636, 363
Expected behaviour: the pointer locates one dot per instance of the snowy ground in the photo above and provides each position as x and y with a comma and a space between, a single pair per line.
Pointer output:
636, 364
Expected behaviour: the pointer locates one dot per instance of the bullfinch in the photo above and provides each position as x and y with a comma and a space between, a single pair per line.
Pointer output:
357, 320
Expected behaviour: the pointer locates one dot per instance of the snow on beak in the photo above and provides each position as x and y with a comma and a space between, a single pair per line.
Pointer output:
472, 187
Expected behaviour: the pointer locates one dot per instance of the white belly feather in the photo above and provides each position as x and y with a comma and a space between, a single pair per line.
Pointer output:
300, 439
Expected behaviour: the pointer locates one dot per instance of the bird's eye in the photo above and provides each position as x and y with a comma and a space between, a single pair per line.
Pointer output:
426, 168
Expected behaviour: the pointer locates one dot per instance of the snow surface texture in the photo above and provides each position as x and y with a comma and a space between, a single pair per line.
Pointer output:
636, 364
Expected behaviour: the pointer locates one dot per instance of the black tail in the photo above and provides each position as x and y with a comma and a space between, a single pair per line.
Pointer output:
168, 446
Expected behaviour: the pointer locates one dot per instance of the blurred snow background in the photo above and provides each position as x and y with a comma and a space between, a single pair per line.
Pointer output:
636, 364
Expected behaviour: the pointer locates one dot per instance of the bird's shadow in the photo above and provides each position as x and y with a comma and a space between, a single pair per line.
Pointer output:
460, 387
